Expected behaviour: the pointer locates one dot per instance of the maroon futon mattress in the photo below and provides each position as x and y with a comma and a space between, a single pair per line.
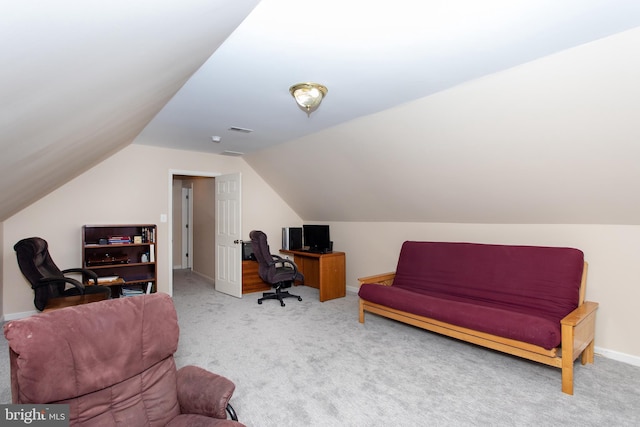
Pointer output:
517, 292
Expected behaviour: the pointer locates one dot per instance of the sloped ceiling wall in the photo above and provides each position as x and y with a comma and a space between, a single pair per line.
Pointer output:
80, 80
556, 140
552, 141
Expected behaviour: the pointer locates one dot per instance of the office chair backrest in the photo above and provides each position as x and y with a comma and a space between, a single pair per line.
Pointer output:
272, 268
262, 253
35, 263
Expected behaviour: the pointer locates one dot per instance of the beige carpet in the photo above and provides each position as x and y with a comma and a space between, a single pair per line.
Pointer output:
312, 364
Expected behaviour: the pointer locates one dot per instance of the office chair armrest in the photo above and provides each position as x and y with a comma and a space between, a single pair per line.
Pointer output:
92, 275
276, 259
290, 262
48, 280
280, 260
203, 392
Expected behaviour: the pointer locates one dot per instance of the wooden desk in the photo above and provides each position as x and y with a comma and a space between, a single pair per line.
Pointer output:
251, 282
325, 272
62, 302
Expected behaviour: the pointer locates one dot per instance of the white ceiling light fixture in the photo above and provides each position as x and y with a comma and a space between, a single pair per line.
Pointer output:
308, 96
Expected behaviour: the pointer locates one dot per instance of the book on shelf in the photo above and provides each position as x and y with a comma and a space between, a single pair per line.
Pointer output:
119, 239
107, 279
131, 291
148, 235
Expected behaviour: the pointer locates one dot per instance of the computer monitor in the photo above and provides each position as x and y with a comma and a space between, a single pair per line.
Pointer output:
317, 238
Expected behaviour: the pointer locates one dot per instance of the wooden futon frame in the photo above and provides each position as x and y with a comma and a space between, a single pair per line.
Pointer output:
578, 329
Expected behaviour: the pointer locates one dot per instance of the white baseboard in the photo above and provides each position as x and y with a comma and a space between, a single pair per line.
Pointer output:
21, 315
609, 354
205, 277
616, 355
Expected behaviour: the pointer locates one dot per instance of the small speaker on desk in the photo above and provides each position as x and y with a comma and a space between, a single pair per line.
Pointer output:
292, 238
247, 251
295, 238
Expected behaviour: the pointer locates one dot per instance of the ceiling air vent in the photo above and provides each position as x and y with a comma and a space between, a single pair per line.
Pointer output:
231, 153
243, 130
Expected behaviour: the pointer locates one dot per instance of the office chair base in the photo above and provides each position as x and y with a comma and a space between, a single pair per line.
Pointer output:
279, 295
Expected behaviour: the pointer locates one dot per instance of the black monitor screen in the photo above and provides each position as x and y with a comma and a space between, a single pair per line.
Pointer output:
316, 237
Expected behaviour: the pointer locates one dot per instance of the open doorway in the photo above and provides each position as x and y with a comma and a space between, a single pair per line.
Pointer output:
194, 210
215, 230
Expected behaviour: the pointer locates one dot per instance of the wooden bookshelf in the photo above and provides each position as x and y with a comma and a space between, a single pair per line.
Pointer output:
124, 256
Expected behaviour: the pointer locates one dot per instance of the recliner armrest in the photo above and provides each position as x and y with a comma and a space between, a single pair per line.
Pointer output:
203, 392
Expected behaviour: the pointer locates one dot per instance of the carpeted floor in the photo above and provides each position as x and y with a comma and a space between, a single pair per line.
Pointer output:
313, 364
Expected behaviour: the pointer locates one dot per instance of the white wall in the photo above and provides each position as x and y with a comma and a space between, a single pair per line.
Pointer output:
611, 251
132, 186
548, 142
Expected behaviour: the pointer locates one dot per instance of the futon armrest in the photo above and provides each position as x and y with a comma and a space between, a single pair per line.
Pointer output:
203, 392
579, 314
381, 279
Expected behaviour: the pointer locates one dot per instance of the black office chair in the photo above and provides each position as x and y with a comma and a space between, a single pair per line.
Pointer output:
47, 280
277, 271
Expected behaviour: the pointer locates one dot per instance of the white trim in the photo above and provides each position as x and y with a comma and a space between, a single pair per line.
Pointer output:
172, 172
20, 315
187, 226
616, 355
193, 173
353, 289
609, 354
207, 278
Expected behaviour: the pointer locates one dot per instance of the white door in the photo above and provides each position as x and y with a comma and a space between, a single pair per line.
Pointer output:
228, 235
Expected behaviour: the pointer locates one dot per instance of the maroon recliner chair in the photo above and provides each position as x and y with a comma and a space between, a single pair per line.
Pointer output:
112, 363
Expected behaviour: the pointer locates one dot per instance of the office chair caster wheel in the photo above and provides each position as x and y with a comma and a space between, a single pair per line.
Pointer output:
281, 304
259, 302
299, 298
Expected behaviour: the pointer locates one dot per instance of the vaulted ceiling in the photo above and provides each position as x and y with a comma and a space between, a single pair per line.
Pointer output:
442, 111
80, 80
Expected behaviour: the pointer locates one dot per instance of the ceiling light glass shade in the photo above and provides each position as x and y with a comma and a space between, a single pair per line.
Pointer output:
308, 96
